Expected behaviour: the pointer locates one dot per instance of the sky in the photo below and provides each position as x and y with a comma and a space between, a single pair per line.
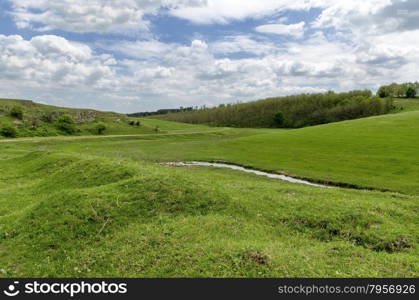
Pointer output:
143, 55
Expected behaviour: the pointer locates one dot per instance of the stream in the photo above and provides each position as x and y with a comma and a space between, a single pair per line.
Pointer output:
238, 168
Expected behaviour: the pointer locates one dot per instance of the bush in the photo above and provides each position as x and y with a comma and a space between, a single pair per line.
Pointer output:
66, 123
17, 112
134, 123
48, 117
382, 92
8, 130
100, 128
411, 92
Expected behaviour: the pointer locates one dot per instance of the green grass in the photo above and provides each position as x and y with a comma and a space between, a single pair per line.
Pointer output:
101, 206
406, 104
70, 215
378, 152
86, 119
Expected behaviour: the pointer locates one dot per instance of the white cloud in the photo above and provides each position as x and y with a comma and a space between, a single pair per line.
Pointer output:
128, 16
142, 49
221, 11
52, 59
295, 30
242, 43
101, 16
372, 43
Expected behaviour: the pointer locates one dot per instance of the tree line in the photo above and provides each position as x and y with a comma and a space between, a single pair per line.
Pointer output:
288, 112
160, 112
403, 90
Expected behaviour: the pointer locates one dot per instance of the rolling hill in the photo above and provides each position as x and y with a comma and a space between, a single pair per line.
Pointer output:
37, 119
106, 206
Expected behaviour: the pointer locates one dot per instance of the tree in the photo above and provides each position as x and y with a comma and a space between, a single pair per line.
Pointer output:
279, 119
8, 130
382, 92
410, 92
66, 124
17, 112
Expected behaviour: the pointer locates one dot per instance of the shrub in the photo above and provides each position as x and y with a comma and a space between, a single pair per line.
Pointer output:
8, 130
48, 117
382, 92
411, 92
17, 112
66, 123
100, 128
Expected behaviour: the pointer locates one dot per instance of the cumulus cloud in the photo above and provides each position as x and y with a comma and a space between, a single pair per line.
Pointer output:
243, 43
52, 59
372, 42
295, 30
221, 11
129, 16
101, 16
140, 49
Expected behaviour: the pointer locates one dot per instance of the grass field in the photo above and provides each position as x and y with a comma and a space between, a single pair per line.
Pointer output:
101, 206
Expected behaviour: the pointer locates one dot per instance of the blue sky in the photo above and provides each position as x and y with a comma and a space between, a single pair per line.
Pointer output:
138, 55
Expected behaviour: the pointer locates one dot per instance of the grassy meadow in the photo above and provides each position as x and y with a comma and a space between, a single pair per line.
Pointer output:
104, 206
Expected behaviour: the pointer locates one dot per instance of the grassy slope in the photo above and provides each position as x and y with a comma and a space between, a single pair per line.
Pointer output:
115, 123
70, 215
378, 152
407, 104
100, 208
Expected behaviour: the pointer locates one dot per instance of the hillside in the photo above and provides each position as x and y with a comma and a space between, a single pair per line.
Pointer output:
27, 118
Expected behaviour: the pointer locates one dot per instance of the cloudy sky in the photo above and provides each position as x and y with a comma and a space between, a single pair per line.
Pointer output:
137, 55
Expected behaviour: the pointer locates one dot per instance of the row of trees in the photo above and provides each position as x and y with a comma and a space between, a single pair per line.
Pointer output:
404, 90
160, 112
288, 112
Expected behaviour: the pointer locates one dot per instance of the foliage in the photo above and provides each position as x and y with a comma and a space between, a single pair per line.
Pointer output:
159, 112
404, 90
279, 119
66, 123
8, 130
296, 111
100, 128
134, 123
42, 120
17, 112
411, 92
